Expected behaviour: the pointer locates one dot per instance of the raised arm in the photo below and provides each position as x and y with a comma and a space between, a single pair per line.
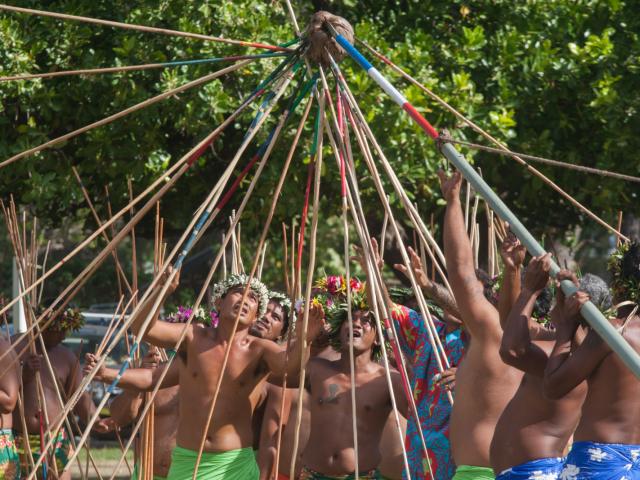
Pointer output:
512, 254
477, 313
136, 379
568, 365
436, 292
281, 361
517, 348
162, 334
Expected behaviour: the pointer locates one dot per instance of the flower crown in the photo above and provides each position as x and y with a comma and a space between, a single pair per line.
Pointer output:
220, 289
201, 316
625, 271
282, 299
68, 321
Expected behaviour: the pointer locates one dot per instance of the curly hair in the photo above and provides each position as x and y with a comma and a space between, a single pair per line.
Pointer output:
624, 266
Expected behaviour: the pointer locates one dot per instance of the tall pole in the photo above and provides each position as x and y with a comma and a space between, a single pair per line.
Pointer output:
589, 311
19, 320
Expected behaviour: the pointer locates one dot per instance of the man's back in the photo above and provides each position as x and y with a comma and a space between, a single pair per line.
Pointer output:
533, 426
484, 386
611, 411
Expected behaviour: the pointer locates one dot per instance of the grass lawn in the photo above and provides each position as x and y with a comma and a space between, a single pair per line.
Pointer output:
106, 458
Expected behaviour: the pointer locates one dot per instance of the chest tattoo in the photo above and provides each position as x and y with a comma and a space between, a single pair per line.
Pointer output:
332, 397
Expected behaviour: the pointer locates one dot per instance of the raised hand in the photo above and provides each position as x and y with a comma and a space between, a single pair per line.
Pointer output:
361, 259
572, 305
416, 266
174, 282
450, 185
316, 322
33, 362
536, 277
512, 252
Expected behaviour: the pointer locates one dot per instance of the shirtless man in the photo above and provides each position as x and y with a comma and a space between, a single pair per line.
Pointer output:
9, 387
484, 384
228, 442
607, 439
68, 377
533, 431
330, 450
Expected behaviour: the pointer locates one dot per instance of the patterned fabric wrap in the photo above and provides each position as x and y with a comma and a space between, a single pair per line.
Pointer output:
9, 459
62, 451
541, 469
234, 464
602, 461
432, 403
308, 474
470, 472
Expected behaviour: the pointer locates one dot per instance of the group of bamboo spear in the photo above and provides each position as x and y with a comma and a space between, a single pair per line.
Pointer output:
345, 126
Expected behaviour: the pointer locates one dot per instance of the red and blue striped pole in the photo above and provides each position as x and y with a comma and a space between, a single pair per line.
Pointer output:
589, 311
377, 77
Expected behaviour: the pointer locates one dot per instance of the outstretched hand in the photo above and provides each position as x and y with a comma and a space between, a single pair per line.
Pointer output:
362, 260
450, 185
316, 322
571, 312
536, 277
512, 252
416, 265
104, 425
175, 281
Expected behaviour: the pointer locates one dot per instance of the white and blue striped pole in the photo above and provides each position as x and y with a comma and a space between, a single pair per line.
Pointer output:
589, 311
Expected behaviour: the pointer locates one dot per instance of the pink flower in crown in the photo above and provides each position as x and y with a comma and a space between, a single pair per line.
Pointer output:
356, 285
334, 284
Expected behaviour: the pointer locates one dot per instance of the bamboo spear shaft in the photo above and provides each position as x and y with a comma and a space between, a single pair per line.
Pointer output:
215, 194
132, 68
143, 28
119, 271
125, 112
178, 169
254, 268
220, 255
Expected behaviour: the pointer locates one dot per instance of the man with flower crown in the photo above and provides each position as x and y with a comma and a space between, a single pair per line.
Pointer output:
329, 452
9, 387
40, 408
228, 449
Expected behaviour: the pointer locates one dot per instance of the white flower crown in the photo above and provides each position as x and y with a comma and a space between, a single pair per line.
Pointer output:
220, 289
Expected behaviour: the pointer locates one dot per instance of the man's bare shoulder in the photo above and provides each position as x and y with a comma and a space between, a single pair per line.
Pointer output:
64, 354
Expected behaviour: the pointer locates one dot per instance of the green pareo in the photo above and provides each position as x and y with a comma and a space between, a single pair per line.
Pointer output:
232, 465
469, 472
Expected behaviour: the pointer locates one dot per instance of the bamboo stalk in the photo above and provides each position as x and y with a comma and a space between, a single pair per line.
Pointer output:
177, 169
143, 28
119, 272
212, 271
125, 112
265, 231
252, 131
